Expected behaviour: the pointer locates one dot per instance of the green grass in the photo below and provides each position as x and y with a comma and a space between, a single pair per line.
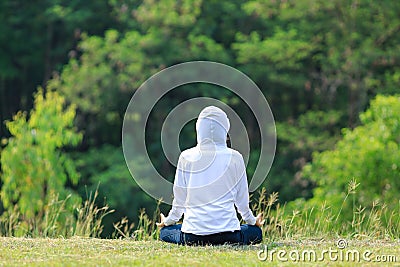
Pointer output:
127, 252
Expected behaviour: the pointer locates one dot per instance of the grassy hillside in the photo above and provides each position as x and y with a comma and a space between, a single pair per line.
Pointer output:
126, 252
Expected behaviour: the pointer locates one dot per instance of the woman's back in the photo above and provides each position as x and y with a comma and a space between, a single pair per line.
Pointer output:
211, 190
210, 180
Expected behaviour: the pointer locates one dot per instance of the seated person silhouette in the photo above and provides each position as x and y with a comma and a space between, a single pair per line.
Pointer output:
210, 181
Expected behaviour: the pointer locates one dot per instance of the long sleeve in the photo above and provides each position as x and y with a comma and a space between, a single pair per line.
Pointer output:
178, 204
242, 197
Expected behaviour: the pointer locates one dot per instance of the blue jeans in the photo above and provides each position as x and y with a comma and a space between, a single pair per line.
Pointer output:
248, 234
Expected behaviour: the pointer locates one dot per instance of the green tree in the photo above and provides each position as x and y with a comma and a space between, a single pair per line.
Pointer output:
323, 54
36, 38
313, 131
114, 66
369, 153
35, 168
321, 60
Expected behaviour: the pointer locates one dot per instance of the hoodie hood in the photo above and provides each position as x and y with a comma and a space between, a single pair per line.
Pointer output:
212, 126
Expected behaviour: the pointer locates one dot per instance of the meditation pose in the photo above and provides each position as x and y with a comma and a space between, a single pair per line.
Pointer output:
210, 181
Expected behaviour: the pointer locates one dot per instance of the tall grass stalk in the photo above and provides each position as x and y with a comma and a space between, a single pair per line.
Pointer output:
57, 220
51, 222
90, 217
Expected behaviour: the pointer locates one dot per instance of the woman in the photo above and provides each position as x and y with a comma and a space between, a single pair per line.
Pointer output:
210, 181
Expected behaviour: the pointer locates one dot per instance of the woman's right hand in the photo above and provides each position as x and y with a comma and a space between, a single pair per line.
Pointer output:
161, 224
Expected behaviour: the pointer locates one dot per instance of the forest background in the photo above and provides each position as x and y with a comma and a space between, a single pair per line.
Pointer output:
330, 71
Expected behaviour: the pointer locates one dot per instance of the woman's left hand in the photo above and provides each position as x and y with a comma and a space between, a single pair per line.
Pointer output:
259, 220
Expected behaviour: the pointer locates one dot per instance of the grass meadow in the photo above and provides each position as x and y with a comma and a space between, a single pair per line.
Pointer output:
79, 251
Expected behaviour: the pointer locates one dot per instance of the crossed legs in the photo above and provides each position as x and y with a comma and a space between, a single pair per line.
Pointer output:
248, 234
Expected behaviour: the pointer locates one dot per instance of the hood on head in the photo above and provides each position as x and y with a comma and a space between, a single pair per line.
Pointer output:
212, 126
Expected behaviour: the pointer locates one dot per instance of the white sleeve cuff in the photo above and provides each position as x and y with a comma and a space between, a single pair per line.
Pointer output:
168, 221
252, 220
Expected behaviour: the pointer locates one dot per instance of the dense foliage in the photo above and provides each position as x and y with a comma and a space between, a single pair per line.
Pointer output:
319, 63
369, 155
35, 171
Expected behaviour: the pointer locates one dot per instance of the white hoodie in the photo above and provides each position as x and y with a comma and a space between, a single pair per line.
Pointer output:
210, 180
